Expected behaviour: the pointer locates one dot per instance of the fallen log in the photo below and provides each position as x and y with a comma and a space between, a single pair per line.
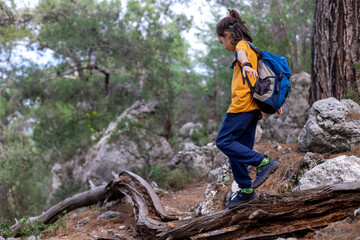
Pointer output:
268, 215
277, 214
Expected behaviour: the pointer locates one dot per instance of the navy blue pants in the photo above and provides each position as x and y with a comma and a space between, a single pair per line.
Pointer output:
236, 140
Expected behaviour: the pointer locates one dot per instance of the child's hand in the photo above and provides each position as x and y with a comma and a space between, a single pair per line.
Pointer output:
279, 112
251, 71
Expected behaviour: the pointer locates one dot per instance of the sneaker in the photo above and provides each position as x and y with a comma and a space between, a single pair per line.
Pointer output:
242, 196
266, 167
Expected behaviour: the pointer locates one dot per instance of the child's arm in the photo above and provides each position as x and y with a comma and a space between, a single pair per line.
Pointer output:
242, 56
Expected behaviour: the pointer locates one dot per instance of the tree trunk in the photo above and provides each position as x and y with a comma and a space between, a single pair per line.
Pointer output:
335, 49
271, 215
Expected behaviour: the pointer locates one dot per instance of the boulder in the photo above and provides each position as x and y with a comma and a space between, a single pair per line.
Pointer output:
199, 159
288, 126
337, 170
127, 144
333, 126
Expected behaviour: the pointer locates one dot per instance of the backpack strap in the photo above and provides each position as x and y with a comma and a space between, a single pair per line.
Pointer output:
252, 89
254, 48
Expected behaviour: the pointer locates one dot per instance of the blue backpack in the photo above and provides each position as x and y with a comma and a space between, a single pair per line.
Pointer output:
272, 86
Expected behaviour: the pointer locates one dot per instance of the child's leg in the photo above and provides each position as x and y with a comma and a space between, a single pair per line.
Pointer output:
236, 140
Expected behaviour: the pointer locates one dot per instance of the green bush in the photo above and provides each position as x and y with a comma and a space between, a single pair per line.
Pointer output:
68, 188
201, 136
23, 178
171, 179
353, 94
31, 228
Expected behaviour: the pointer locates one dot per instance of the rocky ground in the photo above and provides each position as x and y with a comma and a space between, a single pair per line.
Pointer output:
181, 203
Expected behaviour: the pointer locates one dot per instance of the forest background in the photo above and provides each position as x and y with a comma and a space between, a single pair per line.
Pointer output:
105, 56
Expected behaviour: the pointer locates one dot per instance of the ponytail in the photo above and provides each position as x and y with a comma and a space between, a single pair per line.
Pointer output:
235, 26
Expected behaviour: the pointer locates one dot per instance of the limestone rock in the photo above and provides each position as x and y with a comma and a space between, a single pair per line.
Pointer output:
332, 126
200, 159
337, 170
82, 222
109, 215
221, 177
189, 128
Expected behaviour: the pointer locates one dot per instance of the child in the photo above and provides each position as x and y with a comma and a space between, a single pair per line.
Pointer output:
237, 133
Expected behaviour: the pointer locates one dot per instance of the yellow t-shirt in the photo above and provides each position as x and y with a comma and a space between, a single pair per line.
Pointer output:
241, 100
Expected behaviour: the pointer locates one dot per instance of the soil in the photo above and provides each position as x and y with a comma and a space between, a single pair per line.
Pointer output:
181, 203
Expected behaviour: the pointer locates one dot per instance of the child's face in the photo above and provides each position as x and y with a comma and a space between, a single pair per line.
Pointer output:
226, 41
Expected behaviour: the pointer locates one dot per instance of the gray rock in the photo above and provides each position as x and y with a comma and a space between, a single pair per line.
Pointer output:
276, 146
31, 238
357, 212
332, 126
126, 145
310, 161
332, 171
207, 206
122, 227
189, 146
109, 215
189, 129
258, 133
56, 172
82, 222
221, 176
200, 159
288, 126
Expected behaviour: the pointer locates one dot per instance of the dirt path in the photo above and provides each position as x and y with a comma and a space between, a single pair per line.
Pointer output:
180, 203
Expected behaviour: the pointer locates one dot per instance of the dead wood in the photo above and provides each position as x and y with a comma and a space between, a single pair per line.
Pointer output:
277, 214
269, 215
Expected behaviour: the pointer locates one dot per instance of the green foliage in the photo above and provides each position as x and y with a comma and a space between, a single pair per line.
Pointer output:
357, 66
201, 136
68, 188
5, 230
283, 27
130, 128
12, 28
171, 179
22, 178
353, 94
29, 228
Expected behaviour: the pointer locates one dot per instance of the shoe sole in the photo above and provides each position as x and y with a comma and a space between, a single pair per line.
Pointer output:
236, 205
271, 170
